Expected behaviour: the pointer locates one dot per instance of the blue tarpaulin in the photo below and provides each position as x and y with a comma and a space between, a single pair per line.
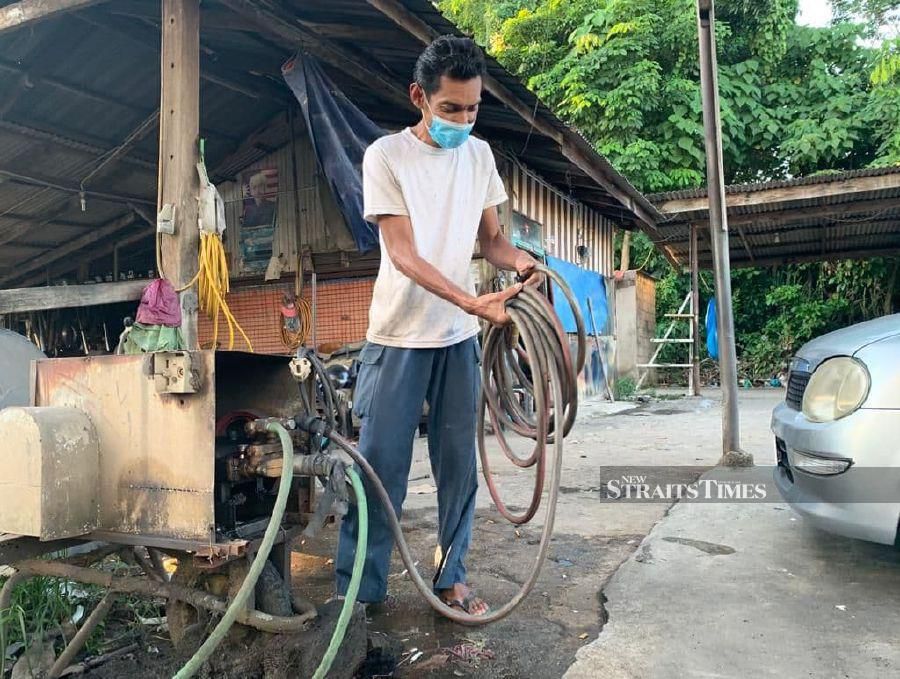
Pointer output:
712, 334
585, 285
340, 134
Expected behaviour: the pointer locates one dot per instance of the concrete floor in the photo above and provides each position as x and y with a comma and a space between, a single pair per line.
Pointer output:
635, 589
748, 590
594, 536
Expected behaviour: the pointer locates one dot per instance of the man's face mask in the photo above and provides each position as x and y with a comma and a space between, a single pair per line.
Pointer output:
446, 133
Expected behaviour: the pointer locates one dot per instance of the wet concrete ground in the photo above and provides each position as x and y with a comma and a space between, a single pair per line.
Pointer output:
593, 537
749, 590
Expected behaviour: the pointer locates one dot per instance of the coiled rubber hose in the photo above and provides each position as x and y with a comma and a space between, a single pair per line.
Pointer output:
537, 339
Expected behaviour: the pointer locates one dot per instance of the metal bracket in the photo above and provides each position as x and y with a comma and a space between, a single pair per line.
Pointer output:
301, 368
173, 373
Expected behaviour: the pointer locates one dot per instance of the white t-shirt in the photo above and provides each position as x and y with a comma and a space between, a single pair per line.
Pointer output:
444, 192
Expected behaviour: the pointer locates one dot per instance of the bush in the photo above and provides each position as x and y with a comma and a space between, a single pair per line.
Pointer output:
624, 388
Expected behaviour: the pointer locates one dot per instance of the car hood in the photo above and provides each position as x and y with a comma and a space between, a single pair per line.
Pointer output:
848, 341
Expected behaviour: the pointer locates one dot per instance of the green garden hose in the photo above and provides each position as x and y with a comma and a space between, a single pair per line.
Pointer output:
240, 600
359, 560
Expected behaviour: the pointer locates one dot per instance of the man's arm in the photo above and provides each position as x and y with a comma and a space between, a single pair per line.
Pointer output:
397, 234
497, 249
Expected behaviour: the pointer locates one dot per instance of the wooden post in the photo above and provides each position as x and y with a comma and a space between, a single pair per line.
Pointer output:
625, 262
179, 133
695, 310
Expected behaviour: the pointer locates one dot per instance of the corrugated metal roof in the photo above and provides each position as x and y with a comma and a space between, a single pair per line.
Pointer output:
852, 214
821, 178
92, 76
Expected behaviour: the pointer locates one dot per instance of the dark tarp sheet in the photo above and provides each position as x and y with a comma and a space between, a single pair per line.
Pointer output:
340, 134
585, 284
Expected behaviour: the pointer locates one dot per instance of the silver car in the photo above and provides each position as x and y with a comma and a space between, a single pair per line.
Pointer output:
837, 434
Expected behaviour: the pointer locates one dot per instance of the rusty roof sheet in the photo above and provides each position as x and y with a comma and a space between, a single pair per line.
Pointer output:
75, 86
819, 178
831, 216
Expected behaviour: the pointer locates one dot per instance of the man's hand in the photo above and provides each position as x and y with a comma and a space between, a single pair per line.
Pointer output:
525, 267
492, 307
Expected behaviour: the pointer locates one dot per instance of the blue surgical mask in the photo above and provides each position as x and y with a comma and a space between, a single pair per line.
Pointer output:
446, 133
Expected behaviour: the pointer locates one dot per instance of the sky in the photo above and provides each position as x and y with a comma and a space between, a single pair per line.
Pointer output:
814, 12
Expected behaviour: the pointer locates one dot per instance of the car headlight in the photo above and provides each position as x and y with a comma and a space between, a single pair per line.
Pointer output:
837, 388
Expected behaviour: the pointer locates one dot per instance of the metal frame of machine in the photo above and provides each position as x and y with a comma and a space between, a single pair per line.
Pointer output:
186, 467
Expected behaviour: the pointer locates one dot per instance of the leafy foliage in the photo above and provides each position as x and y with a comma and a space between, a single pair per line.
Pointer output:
795, 100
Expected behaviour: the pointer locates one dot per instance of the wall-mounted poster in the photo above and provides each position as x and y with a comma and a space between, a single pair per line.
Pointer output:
260, 205
527, 233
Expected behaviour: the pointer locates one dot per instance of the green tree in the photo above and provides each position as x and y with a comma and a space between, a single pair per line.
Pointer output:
795, 100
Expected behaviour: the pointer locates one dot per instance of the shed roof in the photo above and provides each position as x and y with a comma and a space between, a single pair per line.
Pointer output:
842, 215
84, 87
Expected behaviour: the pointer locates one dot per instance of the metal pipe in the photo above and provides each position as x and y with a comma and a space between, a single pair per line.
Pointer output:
718, 228
315, 313
695, 310
73, 647
143, 560
138, 585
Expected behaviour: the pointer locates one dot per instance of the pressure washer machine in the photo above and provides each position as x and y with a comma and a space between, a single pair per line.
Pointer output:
221, 459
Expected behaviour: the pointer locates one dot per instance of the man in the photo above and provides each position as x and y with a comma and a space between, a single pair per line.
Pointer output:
432, 189
259, 209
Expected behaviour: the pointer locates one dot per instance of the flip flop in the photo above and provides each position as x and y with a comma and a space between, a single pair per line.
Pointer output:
466, 603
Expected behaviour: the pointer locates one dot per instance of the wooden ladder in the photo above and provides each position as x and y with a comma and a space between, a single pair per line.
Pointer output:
679, 315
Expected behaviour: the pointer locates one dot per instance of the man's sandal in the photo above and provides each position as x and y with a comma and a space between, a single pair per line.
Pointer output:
466, 604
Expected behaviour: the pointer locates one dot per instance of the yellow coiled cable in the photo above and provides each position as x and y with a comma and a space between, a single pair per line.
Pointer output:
213, 284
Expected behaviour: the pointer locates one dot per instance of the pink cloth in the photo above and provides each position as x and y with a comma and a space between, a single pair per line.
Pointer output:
159, 305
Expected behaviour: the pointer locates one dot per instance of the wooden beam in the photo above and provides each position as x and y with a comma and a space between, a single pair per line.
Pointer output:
695, 310
783, 260
148, 36
786, 215
20, 228
179, 135
26, 12
118, 152
584, 157
809, 239
58, 184
291, 32
828, 187
97, 251
20, 300
413, 25
69, 142
228, 167
743, 236
106, 231
349, 31
68, 87
790, 234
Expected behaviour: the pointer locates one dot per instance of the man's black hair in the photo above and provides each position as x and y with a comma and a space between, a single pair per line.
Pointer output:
457, 58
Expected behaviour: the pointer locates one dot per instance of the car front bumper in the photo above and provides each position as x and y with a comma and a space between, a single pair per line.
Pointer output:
862, 502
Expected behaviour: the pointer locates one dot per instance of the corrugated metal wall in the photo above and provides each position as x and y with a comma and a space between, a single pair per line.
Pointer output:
567, 223
319, 232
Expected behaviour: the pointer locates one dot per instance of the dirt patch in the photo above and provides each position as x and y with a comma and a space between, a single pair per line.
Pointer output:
539, 639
